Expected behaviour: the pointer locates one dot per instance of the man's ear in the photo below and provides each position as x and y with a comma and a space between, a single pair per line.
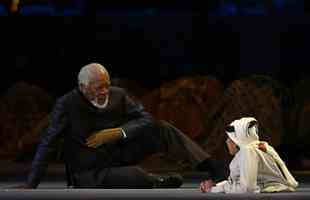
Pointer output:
82, 88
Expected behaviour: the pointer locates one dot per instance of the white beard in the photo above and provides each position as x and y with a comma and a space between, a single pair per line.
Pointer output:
100, 106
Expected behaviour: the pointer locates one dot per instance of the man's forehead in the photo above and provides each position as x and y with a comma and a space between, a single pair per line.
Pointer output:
100, 80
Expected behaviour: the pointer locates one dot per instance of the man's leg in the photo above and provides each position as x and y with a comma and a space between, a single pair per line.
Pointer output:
179, 146
163, 138
136, 177
125, 177
114, 177
170, 141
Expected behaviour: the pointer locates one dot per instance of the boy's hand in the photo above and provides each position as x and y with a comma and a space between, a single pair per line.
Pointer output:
206, 186
262, 146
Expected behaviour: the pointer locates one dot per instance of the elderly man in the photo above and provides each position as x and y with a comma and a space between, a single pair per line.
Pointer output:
106, 134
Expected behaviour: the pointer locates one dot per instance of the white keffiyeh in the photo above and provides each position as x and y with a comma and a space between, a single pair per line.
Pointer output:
254, 170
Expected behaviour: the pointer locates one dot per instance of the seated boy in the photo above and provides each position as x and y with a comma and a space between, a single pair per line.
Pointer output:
256, 166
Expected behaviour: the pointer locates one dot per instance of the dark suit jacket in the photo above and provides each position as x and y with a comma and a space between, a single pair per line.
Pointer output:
77, 118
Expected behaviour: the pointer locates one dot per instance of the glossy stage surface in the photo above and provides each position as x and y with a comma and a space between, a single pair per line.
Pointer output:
54, 187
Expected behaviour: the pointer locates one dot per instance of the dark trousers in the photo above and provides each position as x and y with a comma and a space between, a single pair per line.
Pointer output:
119, 168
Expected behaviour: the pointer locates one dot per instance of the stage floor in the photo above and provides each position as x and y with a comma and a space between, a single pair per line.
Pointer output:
54, 187
56, 190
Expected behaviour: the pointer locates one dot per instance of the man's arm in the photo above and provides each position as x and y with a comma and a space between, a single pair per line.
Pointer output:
47, 145
138, 119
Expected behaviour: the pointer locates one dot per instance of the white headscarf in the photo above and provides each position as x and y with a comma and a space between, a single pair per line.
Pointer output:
245, 135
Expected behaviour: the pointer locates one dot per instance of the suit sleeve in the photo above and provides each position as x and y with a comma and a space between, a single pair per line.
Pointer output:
47, 144
138, 120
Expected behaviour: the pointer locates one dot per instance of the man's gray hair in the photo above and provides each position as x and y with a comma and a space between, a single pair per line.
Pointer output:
88, 72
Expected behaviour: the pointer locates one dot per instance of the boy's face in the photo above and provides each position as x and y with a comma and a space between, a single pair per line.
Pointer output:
232, 147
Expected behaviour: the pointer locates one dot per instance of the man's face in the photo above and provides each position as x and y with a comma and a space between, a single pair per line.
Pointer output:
98, 89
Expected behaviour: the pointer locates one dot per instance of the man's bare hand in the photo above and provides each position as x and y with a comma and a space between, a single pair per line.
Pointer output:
206, 186
104, 136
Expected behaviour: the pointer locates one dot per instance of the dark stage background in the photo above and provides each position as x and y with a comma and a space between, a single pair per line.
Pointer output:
154, 41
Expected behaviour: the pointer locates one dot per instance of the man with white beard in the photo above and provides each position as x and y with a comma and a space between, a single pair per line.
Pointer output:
106, 134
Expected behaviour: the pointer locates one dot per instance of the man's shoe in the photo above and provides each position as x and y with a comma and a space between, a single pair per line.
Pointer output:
171, 180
